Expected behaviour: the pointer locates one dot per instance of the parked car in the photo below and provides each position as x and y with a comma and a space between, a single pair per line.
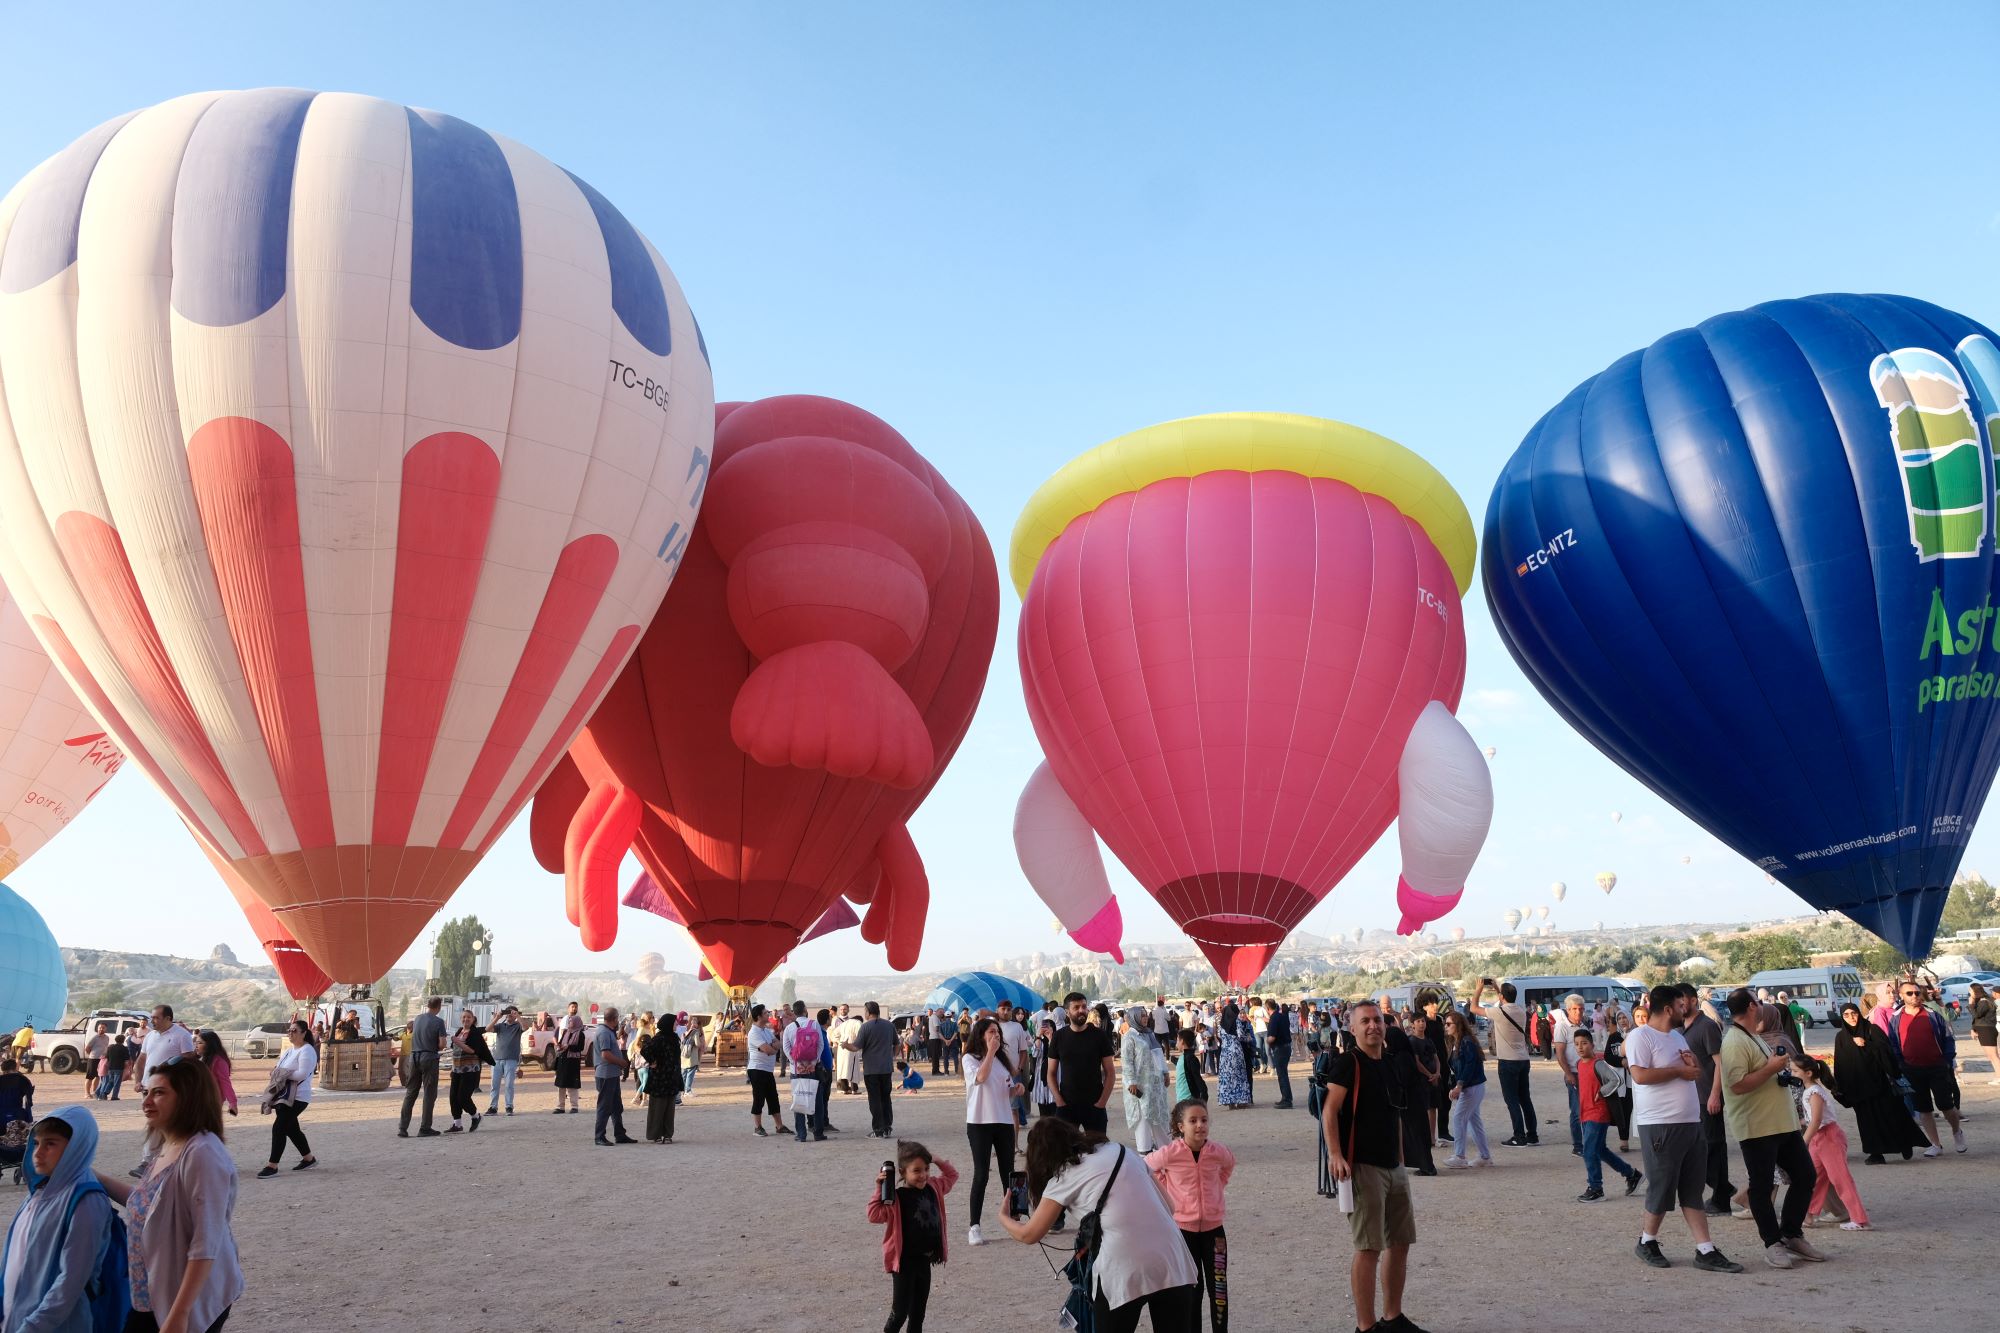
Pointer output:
1957, 988
61, 1049
266, 1041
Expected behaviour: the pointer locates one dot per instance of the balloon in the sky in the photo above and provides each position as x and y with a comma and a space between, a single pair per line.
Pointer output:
1687, 860
54, 757
1527, 910
1058, 854
1616, 817
1755, 564
34, 988
1230, 627
345, 451
1458, 932
1597, 925
1491, 751
1512, 918
1558, 890
1430, 937
1607, 881
802, 688
651, 967
1358, 933
1543, 911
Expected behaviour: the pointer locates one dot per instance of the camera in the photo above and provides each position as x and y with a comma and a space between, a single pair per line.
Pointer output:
1017, 1195
1787, 1079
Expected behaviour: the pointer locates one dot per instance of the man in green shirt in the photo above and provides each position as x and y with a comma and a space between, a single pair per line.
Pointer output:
1760, 1117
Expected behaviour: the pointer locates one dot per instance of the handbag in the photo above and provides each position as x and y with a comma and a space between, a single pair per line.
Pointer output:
1080, 1311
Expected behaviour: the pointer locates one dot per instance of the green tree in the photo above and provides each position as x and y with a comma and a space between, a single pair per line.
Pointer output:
458, 943
1971, 904
1881, 960
1764, 953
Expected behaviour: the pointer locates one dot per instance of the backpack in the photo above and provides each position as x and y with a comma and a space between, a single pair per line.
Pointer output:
107, 1293
805, 1049
1079, 1312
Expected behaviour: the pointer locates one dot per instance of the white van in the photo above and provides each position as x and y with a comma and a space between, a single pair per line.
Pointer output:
1552, 991
1819, 990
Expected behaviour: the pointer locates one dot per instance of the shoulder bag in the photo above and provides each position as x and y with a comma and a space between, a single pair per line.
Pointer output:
1079, 1312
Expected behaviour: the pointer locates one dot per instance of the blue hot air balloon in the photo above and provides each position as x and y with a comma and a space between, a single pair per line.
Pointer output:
1754, 564
33, 986
981, 990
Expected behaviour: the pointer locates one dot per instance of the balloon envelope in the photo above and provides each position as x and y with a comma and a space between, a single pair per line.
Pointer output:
1229, 627
345, 450
837, 589
1558, 890
981, 990
54, 757
1754, 564
34, 988
1512, 918
1607, 881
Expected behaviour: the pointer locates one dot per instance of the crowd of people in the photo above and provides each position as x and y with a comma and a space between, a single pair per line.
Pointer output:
1389, 1090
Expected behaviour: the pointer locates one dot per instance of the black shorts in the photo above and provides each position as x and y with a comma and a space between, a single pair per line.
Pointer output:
763, 1091
1932, 1087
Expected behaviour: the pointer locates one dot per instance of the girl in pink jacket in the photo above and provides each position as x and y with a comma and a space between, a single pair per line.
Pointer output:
912, 1218
1192, 1172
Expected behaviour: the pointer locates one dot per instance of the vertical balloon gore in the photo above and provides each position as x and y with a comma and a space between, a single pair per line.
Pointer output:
599, 837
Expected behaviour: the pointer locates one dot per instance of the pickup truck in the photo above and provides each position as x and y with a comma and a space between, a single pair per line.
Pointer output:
61, 1049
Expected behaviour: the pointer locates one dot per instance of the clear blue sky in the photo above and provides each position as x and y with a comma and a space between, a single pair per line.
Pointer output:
1016, 231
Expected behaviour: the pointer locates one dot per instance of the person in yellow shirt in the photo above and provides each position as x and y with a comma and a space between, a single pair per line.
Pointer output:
1759, 1113
23, 1041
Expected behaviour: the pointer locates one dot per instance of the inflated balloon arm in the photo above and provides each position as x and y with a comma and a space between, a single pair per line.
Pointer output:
556, 802
901, 900
600, 833
832, 550
1444, 808
1058, 853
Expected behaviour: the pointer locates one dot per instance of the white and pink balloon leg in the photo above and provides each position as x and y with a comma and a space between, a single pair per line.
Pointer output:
1058, 854
1444, 808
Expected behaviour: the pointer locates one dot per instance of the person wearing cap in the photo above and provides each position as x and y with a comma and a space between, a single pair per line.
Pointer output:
506, 1031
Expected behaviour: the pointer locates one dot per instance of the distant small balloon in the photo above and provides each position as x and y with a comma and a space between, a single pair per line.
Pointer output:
1513, 918
1617, 818
1491, 751
1458, 932
1607, 881
1558, 890
1430, 937
1597, 925
1543, 911
1687, 860
1358, 933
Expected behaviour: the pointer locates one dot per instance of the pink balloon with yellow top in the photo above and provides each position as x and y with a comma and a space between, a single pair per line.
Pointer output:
1242, 648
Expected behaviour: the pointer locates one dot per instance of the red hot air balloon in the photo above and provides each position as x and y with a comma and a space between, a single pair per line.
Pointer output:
302, 977
803, 685
1233, 629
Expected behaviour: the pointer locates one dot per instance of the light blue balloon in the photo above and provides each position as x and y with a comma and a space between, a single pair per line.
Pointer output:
33, 986
981, 990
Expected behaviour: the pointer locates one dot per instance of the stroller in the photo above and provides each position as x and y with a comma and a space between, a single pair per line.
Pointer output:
17, 1117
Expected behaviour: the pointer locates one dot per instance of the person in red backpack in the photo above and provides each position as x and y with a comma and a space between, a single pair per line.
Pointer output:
1595, 1112
914, 1229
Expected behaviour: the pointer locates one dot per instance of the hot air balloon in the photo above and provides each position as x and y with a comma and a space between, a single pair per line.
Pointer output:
1058, 854
1430, 937
1543, 911
1512, 918
301, 977
651, 967
1358, 933
1231, 626
1457, 933
54, 757
1799, 493
1687, 860
1491, 751
1597, 925
1607, 881
34, 988
758, 754
345, 451
1527, 910
1558, 890
1616, 817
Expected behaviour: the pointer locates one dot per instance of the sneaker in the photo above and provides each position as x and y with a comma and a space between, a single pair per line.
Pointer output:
1779, 1257
1484, 1161
456, 1129
1513, 1143
1872, 1159
602, 1143
1715, 1261
1855, 1226
763, 1133
1399, 1324
1742, 1213
1649, 1250
1632, 1183
428, 1134
1591, 1195
1576, 1152
624, 1138
1803, 1248
973, 1237
510, 1110
1456, 1163
558, 1110
1534, 1143
475, 1124
1958, 1140
1934, 1151
402, 1133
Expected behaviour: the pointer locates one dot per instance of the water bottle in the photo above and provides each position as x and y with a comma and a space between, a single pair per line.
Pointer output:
886, 1191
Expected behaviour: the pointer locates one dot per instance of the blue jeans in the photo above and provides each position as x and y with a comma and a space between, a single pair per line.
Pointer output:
107, 1086
1281, 1060
1575, 1120
504, 1073
1597, 1155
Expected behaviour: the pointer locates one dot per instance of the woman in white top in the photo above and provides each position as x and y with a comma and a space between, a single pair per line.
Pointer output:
1143, 1265
292, 1086
990, 1084
1149, 1091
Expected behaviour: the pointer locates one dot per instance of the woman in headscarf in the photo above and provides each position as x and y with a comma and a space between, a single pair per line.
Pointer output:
661, 1050
469, 1056
1232, 1078
1148, 1095
569, 1064
1864, 1077
46, 1267
1416, 1066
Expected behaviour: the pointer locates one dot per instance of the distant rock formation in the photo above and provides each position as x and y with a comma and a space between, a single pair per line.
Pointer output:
222, 953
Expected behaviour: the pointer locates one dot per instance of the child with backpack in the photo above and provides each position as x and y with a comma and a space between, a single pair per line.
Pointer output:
911, 1212
1597, 1081
1192, 1172
67, 1243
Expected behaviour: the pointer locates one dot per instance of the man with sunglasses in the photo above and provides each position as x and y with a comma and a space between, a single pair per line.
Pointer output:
1361, 1122
1923, 1042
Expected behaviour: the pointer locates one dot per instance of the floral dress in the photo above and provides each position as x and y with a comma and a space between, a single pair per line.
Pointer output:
1232, 1078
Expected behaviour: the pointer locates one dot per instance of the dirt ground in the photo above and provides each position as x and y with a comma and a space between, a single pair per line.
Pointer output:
527, 1226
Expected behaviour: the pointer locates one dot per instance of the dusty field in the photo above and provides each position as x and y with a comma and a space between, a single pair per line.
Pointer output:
725, 1231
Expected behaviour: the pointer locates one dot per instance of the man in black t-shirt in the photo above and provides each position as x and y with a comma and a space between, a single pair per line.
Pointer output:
1082, 1067
1363, 1128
